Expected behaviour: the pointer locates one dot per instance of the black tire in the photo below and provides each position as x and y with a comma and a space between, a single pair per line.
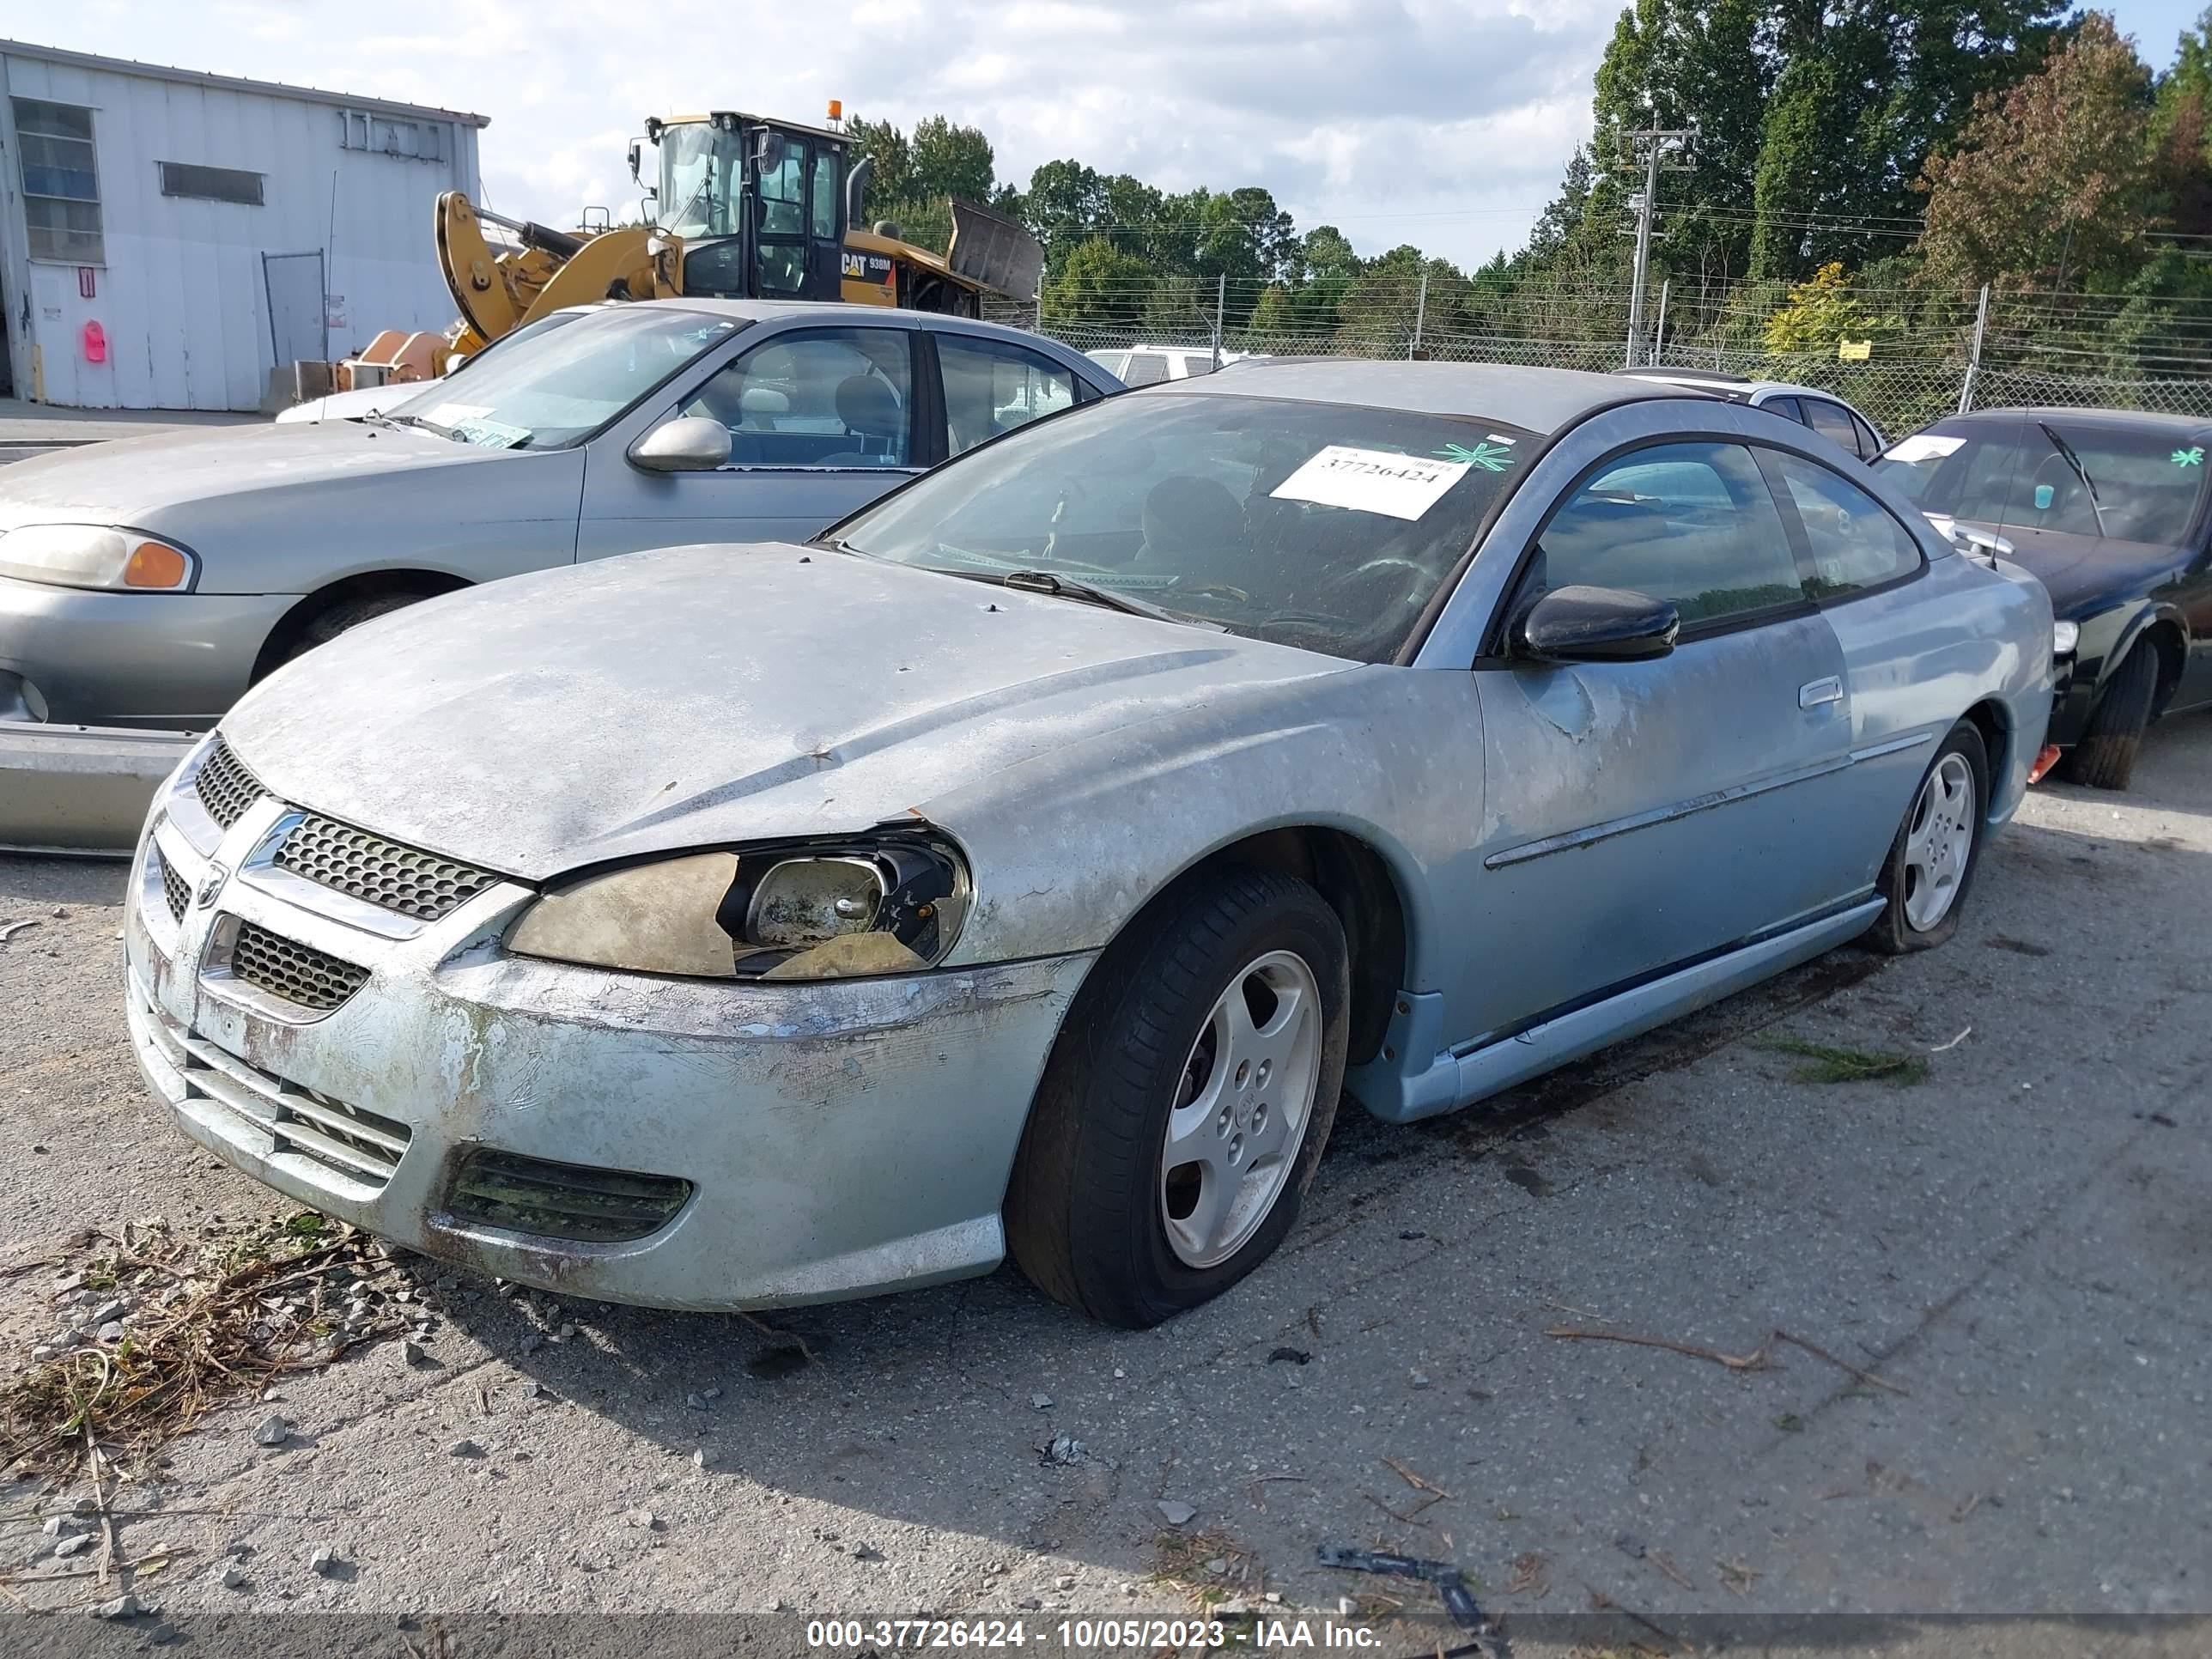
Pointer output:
1894, 933
2105, 758
334, 620
1084, 1209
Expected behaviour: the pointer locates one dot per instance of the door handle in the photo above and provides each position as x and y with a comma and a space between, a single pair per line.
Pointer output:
1813, 693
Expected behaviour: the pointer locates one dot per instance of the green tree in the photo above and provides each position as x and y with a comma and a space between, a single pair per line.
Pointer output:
2055, 180
1098, 283
891, 178
950, 160
1822, 311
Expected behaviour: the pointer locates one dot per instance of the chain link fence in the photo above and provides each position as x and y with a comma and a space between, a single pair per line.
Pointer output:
2038, 350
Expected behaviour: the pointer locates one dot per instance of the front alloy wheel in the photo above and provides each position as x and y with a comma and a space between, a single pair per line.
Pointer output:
1240, 1112
1187, 1101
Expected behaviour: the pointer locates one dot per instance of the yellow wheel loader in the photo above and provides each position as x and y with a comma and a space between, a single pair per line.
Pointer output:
743, 207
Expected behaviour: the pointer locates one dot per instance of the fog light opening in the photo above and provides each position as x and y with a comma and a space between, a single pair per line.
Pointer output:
576, 1201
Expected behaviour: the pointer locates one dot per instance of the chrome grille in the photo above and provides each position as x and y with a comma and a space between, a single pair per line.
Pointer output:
174, 890
227, 790
297, 973
378, 871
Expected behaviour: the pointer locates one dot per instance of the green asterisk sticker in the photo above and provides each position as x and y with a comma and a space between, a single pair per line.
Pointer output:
2190, 456
1489, 457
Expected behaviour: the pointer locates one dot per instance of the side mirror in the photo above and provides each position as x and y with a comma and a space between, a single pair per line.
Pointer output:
636, 161
690, 444
1596, 624
1967, 539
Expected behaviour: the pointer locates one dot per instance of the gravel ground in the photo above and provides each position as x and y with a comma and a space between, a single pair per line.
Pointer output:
2020, 1244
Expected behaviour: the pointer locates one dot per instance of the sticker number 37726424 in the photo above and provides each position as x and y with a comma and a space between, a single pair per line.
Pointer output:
1371, 481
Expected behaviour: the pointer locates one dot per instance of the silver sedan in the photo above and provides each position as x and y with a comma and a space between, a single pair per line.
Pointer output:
145, 585
1030, 864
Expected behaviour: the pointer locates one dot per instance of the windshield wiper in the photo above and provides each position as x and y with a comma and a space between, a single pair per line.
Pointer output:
2066, 453
1066, 587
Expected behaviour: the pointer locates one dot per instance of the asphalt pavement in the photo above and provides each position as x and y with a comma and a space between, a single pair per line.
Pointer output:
1906, 1350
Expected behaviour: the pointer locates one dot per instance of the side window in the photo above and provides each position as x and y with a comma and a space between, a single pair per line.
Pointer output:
1786, 408
826, 185
1834, 423
1145, 369
991, 388
783, 194
833, 397
1855, 543
1693, 524
1869, 446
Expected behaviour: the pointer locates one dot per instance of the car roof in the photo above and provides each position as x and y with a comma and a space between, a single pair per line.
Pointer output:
1684, 376
1535, 399
829, 313
1729, 385
2140, 420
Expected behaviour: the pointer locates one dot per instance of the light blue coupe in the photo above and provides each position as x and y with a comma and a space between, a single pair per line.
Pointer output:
1029, 864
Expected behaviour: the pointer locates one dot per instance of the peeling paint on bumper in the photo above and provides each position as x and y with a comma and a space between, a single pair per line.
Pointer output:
844, 1137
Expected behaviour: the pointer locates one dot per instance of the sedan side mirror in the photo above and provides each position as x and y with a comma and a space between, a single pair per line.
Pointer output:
1967, 539
1596, 624
690, 444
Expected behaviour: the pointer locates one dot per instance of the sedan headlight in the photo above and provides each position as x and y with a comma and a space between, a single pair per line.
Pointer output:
844, 911
2064, 636
95, 556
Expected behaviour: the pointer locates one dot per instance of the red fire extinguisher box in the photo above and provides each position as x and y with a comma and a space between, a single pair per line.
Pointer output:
96, 344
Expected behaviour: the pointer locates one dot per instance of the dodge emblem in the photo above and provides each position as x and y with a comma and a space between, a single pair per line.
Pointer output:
210, 884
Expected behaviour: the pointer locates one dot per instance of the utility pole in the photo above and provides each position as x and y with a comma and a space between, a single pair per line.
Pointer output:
1220, 306
1974, 354
1420, 315
1653, 146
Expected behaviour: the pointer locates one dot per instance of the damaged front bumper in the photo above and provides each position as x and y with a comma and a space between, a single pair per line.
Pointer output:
838, 1138
81, 788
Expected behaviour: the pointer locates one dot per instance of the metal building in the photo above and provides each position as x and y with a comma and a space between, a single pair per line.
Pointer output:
167, 237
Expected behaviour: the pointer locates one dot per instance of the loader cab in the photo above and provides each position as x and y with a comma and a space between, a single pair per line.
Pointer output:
759, 204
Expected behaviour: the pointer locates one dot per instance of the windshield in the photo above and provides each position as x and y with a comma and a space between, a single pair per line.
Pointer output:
561, 388
1314, 525
2025, 473
699, 175
431, 392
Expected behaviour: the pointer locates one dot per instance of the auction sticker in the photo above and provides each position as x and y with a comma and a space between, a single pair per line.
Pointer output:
1922, 446
1371, 481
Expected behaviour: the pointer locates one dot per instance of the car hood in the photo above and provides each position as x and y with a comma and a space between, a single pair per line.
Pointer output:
143, 481
710, 695
2083, 575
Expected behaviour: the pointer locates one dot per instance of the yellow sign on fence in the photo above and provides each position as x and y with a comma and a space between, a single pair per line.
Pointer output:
1854, 351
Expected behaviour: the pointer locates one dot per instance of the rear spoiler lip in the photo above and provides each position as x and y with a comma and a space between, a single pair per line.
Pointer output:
81, 791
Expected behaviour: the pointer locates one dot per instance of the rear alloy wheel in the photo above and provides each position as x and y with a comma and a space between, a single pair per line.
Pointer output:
1187, 1102
1931, 863
2105, 758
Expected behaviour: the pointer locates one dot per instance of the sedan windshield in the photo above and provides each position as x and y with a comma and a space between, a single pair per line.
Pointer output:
2030, 473
1316, 525
563, 385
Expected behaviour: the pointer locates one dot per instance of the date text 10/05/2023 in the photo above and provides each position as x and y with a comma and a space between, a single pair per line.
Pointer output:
1088, 1635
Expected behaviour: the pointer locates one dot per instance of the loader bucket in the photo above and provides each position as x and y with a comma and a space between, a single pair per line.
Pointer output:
991, 249
82, 789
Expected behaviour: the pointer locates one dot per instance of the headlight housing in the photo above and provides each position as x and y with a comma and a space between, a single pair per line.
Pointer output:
96, 556
892, 904
2064, 637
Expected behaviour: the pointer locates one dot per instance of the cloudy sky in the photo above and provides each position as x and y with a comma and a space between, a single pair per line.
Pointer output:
1443, 123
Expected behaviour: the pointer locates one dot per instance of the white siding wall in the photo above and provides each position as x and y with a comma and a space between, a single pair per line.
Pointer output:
182, 299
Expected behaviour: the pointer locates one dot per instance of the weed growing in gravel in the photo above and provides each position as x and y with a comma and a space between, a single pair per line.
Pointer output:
1826, 1063
200, 1317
